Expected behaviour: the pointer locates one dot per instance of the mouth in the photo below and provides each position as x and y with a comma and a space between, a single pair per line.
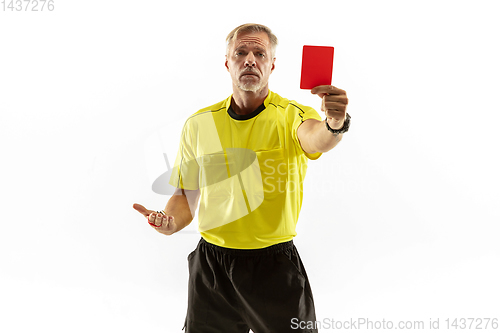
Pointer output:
249, 74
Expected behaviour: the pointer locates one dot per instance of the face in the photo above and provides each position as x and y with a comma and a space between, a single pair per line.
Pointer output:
250, 61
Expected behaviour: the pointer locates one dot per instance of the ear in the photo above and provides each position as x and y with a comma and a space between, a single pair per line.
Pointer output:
225, 64
272, 65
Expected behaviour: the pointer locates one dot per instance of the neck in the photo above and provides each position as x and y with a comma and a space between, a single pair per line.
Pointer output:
245, 102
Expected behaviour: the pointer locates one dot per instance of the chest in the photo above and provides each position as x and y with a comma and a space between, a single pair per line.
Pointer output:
262, 133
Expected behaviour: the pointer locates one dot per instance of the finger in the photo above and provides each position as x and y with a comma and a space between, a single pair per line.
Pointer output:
337, 116
152, 220
159, 220
337, 98
168, 224
332, 106
327, 106
327, 89
141, 209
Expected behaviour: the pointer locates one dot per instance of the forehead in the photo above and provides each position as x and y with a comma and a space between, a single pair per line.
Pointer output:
252, 39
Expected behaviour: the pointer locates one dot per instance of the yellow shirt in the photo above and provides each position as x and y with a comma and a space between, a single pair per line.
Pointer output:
249, 169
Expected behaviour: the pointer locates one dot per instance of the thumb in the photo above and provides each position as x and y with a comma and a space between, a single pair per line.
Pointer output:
319, 90
141, 209
320, 94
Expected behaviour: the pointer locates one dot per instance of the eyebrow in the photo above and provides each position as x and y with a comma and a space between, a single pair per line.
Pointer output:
258, 48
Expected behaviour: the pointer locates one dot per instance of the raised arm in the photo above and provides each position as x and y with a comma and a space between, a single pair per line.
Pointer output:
313, 134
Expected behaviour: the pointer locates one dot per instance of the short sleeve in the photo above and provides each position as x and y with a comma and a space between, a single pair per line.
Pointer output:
185, 173
301, 113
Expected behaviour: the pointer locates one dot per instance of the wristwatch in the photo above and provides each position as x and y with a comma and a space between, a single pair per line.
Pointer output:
345, 128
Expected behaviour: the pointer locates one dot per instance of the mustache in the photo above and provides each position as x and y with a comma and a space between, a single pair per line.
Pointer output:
249, 71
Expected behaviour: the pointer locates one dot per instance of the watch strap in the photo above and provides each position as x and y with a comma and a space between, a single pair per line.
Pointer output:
345, 127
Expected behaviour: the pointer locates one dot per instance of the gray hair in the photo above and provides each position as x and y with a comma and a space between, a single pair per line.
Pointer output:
252, 27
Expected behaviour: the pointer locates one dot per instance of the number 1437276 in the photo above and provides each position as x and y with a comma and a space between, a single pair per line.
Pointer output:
27, 5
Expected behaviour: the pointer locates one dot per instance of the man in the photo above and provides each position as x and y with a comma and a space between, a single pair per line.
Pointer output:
244, 160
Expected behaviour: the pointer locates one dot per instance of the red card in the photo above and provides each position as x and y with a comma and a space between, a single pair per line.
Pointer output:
317, 66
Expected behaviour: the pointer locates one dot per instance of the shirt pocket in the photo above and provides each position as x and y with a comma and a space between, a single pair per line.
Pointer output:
274, 171
232, 184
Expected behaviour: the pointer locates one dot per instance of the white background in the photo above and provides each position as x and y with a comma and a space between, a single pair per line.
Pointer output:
400, 221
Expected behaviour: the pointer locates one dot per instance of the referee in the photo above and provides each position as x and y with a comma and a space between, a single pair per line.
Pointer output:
243, 161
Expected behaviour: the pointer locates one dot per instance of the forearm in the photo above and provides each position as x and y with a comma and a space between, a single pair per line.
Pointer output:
182, 207
321, 139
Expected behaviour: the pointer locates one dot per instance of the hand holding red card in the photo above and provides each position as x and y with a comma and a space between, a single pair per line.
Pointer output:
317, 65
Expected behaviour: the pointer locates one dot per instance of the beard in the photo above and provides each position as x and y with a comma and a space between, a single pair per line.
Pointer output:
250, 86
253, 85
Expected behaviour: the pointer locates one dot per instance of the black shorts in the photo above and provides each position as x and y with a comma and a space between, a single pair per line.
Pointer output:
233, 290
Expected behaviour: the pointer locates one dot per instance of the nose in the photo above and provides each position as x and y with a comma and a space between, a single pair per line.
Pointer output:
250, 60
